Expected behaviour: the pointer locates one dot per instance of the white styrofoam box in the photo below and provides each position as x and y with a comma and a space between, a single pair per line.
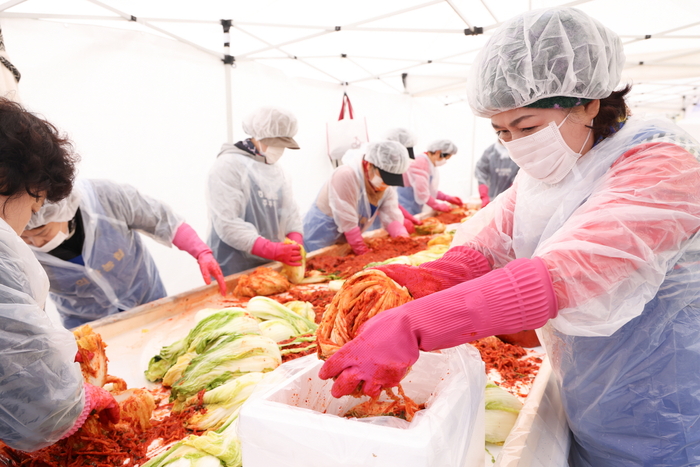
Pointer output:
292, 419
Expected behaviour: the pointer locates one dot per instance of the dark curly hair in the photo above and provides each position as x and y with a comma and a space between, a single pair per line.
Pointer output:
34, 157
613, 110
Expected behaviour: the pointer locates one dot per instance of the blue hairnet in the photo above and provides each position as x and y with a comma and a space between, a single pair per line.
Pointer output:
544, 53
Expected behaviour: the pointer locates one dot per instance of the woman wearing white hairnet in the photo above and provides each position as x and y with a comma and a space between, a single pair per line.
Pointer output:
355, 196
96, 262
596, 243
249, 197
42, 394
421, 182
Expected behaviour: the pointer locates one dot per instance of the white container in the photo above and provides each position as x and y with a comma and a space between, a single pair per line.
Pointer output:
292, 420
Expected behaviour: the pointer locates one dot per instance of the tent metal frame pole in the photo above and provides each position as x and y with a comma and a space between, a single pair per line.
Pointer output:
301, 60
460, 14
10, 4
229, 62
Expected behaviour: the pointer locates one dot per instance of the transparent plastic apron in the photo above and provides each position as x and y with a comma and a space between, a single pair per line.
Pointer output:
632, 398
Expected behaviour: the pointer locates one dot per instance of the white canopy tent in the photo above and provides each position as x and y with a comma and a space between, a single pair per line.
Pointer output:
143, 89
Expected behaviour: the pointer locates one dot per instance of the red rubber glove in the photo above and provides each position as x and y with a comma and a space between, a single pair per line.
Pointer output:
354, 238
517, 297
287, 253
296, 237
450, 199
99, 400
187, 240
459, 264
438, 206
484, 195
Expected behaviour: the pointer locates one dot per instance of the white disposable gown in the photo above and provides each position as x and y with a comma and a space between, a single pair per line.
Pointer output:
41, 388
620, 238
247, 199
342, 204
118, 272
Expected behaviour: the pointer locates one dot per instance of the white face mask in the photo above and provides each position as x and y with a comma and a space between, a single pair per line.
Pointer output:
273, 153
59, 238
545, 156
440, 162
377, 182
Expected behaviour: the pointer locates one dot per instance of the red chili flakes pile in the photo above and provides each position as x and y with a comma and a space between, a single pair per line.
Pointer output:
381, 249
96, 445
510, 361
319, 298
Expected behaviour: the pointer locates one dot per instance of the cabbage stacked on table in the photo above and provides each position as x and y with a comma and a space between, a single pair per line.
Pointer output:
226, 354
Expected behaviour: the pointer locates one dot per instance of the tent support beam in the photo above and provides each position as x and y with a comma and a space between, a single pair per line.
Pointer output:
129, 17
10, 4
301, 60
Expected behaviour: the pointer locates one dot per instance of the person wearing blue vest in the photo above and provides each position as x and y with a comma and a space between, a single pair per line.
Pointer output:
596, 246
495, 172
249, 197
356, 195
96, 262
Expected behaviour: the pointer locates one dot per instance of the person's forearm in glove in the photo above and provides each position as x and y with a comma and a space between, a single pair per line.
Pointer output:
450, 199
407, 215
484, 195
396, 229
408, 220
517, 297
99, 400
187, 240
459, 264
438, 206
287, 253
356, 242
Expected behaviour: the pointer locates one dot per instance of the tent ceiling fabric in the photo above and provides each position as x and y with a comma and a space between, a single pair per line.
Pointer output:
414, 46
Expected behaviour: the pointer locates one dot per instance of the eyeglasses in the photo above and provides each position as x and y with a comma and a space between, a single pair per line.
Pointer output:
445, 155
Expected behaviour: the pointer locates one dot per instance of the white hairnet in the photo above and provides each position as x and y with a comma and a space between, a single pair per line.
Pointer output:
443, 145
401, 135
63, 211
388, 155
544, 53
270, 122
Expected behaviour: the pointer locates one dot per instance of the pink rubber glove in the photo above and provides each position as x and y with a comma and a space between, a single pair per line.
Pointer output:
396, 229
287, 253
354, 238
484, 195
99, 400
296, 237
450, 199
187, 240
517, 297
459, 264
408, 225
438, 206
408, 216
